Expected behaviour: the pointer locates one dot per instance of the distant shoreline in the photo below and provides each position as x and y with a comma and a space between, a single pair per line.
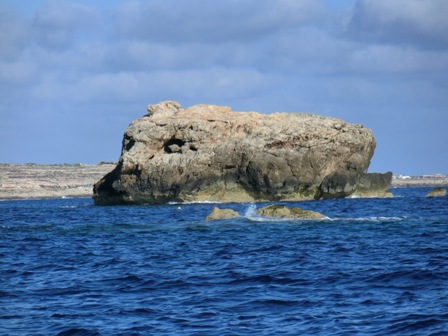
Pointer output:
420, 181
33, 181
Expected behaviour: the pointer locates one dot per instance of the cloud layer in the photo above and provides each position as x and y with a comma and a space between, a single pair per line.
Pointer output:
73, 74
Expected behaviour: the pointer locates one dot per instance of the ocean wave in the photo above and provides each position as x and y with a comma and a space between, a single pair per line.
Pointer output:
194, 202
373, 267
378, 219
252, 215
78, 332
28, 227
415, 323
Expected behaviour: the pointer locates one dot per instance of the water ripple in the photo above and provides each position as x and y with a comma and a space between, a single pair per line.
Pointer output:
375, 266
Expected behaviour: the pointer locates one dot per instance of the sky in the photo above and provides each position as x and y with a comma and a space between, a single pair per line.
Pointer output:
75, 73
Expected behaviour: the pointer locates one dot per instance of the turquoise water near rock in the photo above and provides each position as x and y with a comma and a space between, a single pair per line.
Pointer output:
374, 266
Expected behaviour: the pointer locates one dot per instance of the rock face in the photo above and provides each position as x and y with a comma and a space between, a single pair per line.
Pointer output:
437, 192
281, 211
375, 185
218, 213
211, 153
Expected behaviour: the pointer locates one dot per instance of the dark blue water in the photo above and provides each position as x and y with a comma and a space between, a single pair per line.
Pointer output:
375, 267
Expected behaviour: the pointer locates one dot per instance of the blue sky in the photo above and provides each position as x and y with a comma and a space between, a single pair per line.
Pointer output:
74, 74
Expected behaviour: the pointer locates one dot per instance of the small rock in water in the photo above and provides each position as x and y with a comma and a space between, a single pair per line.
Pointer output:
437, 192
282, 211
218, 213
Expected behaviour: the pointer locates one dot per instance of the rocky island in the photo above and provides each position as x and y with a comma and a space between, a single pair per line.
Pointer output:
211, 153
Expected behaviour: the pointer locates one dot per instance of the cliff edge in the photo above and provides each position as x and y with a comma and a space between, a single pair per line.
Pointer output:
211, 153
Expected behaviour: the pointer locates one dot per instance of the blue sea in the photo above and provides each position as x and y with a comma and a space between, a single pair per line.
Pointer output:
373, 267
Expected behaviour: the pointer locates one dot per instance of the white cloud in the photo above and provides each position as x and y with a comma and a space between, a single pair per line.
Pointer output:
57, 22
211, 21
137, 55
389, 59
188, 85
307, 50
18, 72
14, 33
421, 23
74, 62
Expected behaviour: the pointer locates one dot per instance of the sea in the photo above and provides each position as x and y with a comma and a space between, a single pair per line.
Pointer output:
375, 266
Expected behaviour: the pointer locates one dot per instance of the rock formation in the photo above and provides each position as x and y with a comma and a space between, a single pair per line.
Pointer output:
218, 213
375, 185
212, 153
437, 192
282, 211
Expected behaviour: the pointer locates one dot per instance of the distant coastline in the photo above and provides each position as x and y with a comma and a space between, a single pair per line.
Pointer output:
23, 181
29, 181
435, 180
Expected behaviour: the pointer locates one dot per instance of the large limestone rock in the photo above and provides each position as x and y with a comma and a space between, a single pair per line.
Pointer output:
211, 153
282, 211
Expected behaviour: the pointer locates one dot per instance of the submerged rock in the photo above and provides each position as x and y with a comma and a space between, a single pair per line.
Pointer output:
437, 192
282, 211
211, 153
218, 213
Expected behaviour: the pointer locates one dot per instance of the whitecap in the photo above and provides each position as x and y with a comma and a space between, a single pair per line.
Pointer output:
193, 202
369, 219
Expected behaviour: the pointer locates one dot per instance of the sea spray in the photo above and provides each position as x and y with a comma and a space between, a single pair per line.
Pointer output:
251, 213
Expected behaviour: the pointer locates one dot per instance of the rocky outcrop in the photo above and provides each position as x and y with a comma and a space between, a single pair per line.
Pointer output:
218, 213
375, 185
211, 153
282, 211
437, 192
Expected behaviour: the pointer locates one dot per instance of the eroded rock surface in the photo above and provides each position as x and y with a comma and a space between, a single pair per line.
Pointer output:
282, 211
218, 213
211, 153
375, 185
